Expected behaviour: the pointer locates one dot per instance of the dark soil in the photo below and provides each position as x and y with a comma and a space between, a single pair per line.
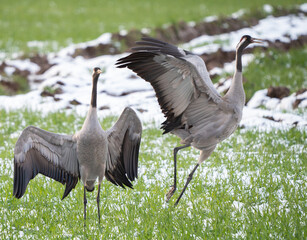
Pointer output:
298, 101
42, 62
278, 92
176, 33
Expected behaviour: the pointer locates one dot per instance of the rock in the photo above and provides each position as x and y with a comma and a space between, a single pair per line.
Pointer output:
278, 92
46, 94
296, 103
10, 86
141, 110
299, 100
74, 102
301, 91
104, 107
271, 118
50, 91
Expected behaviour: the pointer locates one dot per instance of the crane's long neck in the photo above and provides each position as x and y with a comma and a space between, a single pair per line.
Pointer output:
94, 92
239, 58
236, 91
91, 122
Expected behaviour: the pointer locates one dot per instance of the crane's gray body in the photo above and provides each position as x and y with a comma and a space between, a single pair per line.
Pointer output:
211, 122
194, 110
89, 154
92, 150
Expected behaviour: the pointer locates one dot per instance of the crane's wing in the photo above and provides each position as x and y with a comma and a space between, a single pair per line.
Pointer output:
176, 75
53, 155
124, 143
206, 123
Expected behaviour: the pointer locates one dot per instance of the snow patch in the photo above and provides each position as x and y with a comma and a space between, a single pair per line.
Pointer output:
9, 70
260, 98
268, 8
289, 27
118, 88
23, 65
303, 7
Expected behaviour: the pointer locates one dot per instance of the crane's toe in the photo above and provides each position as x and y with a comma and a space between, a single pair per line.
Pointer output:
170, 193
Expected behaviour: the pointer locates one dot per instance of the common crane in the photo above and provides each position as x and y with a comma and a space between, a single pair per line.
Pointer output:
89, 154
194, 110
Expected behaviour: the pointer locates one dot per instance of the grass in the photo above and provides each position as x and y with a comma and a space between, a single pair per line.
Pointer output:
252, 187
277, 68
58, 23
270, 68
20, 81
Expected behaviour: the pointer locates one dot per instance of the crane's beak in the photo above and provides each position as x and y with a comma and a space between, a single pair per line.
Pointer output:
99, 71
257, 40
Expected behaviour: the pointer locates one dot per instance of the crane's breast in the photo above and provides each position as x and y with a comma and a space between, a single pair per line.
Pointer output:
92, 152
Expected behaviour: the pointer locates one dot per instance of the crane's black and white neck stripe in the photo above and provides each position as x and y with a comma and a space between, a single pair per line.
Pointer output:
244, 42
95, 76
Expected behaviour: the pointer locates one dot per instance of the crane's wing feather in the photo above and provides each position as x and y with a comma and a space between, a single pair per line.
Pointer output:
207, 124
53, 155
124, 143
177, 77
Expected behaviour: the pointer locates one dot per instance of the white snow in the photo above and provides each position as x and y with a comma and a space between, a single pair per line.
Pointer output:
9, 70
75, 73
123, 32
23, 65
238, 14
268, 8
303, 7
274, 113
119, 88
260, 118
145, 30
210, 18
271, 28
261, 98
230, 67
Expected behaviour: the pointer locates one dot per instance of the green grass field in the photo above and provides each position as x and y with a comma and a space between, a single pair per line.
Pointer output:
58, 23
252, 187
276, 68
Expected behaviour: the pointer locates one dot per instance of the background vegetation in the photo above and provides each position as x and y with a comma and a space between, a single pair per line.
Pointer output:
57, 23
276, 68
254, 186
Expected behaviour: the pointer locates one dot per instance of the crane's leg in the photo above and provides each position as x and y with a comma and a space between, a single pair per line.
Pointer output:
85, 202
98, 201
174, 186
187, 183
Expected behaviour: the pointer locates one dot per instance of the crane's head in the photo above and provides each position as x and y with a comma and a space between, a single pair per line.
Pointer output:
96, 72
246, 40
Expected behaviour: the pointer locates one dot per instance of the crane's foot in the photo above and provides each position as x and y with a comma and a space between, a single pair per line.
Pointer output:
170, 193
